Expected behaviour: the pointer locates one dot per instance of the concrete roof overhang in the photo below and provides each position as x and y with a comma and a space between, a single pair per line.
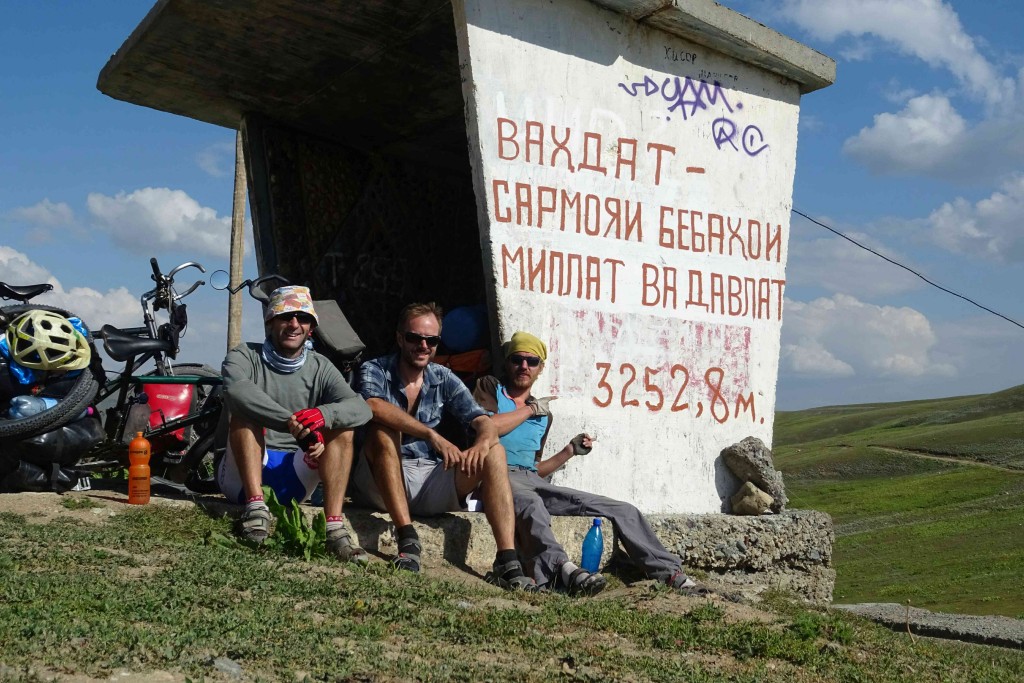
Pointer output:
378, 75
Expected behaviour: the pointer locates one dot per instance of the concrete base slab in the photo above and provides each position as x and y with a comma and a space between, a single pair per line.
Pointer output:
1002, 631
791, 551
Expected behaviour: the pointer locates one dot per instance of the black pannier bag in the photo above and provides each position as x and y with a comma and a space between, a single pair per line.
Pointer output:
45, 462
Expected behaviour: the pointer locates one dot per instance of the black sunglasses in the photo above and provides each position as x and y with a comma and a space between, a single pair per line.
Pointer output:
304, 318
413, 338
517, 360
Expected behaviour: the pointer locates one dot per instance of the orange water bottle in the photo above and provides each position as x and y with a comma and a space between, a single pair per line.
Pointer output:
138, 472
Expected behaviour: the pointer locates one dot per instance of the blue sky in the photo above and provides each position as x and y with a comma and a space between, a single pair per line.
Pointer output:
916, 151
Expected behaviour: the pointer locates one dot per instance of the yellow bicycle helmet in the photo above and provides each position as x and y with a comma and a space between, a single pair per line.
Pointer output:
44, 340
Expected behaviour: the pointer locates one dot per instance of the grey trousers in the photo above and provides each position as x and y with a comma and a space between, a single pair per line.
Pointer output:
536, 501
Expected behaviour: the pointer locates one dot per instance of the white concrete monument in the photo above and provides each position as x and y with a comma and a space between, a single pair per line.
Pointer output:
634, 191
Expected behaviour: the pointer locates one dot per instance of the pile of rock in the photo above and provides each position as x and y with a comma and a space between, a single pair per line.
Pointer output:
763, 491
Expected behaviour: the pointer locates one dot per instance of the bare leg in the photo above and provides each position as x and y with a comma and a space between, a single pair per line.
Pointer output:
496, 494
247, 445
335, 466
382, 454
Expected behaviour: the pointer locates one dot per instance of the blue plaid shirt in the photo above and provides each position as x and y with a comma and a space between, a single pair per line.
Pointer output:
442, 391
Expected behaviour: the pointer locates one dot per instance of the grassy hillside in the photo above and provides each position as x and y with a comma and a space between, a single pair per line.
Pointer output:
166, 594
927, 497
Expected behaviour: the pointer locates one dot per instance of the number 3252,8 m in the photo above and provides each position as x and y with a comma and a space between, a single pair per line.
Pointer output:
656, 398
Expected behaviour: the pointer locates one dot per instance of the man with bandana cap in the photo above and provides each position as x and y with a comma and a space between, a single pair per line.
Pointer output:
523, 422
292, 416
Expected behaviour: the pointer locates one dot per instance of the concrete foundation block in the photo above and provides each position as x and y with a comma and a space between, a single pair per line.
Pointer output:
791, 551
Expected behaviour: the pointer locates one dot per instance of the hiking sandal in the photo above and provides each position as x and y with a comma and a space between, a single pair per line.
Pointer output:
339, 544
408, 557
499, 576
684, 585
582, 582
254, 524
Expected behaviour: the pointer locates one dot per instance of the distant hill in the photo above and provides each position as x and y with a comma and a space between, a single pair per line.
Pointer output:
927, 497
986, 427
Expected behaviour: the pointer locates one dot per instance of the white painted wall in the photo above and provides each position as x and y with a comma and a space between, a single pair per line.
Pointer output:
664, 382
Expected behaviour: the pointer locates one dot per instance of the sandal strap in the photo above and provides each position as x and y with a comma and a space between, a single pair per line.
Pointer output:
408, 557
582, 582
340, 544
255, 524
407, 561
498, 576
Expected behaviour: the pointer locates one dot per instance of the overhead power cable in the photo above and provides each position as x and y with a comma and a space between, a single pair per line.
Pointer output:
909, 270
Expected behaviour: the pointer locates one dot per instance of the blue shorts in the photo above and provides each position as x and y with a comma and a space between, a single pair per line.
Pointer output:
285, 472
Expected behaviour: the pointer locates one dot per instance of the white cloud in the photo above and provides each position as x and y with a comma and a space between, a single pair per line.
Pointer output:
929, 136
990, 228
117, 307
927, 29
842, 337
159, 218
917, 139
218, 159
45, 214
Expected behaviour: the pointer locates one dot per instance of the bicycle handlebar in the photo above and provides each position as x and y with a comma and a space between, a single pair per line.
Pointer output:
255, 286
219, 280
164, 292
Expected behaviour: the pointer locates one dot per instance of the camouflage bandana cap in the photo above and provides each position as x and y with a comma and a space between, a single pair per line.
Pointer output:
293, 298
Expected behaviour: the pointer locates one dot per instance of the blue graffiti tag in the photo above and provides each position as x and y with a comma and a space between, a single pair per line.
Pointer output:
688, 97
752, 136
723, 131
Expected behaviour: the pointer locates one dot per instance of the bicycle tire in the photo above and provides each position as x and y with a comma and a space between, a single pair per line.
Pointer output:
196, 480
81, 395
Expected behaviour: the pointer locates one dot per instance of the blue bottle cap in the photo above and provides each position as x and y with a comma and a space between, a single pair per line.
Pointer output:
597, 521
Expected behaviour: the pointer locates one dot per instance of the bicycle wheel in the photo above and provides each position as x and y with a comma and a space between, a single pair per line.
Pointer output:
201, 461
79, 396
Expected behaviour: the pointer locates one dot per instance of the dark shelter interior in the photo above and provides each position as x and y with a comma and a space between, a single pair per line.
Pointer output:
354, 135
373, 232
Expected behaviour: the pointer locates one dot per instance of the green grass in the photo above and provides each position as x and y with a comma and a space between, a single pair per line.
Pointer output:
159, 589
71, 503
945, 533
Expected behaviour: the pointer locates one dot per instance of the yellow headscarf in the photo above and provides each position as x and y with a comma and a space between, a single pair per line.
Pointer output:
524, 341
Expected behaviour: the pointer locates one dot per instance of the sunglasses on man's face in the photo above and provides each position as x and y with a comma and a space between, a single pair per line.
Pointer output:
413, 338
517, 360
303, 318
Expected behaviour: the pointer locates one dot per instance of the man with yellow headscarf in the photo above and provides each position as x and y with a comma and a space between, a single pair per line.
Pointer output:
523, 422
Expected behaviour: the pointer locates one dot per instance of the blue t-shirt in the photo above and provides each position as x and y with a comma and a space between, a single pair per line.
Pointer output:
523, 442
442, 392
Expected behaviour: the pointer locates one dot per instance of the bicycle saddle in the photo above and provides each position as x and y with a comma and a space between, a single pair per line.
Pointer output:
24, 292
121, 345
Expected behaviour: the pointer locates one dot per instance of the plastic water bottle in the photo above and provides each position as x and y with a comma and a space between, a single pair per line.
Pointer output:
138, 472
593, 547
24, 406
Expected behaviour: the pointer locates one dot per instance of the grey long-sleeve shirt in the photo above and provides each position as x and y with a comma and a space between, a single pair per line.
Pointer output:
259, 393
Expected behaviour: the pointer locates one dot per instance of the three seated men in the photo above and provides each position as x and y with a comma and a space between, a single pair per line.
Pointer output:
292, 421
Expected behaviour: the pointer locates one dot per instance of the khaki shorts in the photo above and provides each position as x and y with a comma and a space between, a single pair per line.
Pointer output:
429, 488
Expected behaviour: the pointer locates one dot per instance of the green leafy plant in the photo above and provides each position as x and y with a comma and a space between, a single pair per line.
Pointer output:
292, 534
